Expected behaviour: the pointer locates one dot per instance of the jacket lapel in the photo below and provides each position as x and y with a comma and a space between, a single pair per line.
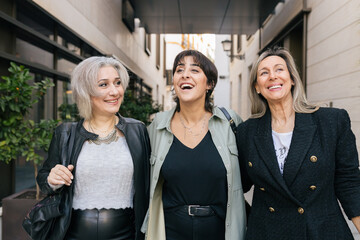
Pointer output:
265, 147
303, 134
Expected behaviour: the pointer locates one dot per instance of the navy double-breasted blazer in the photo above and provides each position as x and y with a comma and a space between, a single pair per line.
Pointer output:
321, 168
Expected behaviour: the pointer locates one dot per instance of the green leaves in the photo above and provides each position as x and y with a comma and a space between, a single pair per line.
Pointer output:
69, 112
139, 108
18, 135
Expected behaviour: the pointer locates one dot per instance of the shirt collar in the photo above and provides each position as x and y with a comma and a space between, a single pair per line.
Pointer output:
166, 119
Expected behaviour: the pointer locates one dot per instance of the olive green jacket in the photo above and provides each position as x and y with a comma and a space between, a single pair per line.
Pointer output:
161, 139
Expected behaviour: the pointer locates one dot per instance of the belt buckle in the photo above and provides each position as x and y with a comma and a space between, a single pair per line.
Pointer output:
189, 209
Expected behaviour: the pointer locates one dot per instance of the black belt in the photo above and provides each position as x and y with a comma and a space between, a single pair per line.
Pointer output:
198, 211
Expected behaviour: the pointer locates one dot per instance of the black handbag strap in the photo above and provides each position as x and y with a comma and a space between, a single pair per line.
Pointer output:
229, 118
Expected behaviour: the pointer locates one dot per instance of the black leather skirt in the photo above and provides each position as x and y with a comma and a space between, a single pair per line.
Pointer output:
103, 224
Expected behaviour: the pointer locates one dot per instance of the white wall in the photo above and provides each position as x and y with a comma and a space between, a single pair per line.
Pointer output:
333, 56
173, 48
222, 89
240, 74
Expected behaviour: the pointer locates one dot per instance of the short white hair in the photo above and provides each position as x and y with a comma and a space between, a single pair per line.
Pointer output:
84, 79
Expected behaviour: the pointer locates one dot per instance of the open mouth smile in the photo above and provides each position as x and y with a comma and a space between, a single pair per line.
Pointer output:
186, 86
112, 101
275, 86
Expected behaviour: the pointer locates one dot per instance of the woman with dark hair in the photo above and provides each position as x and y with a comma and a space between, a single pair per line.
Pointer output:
300, 158
106, 183
195, 186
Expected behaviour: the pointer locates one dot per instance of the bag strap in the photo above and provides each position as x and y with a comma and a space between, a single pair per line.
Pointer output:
229, 118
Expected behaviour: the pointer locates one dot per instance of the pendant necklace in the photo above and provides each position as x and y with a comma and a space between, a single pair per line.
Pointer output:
190, 129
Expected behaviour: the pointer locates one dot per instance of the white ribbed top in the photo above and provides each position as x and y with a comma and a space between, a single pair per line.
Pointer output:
104, 176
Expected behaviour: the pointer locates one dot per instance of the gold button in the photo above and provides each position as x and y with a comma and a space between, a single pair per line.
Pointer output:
271, 209
262, 189
250, 164
313, 187
300, 210
313, 158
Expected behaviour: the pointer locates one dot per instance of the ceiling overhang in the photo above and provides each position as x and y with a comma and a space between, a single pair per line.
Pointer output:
203, 16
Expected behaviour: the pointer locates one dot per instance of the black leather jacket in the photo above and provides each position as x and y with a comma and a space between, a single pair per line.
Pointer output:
138, 141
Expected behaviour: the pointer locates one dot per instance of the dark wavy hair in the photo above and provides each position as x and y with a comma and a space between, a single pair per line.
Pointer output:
209, 70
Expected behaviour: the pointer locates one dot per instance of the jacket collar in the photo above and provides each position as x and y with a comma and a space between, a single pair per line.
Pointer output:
303, 133
301, 141
92, 136
165, 120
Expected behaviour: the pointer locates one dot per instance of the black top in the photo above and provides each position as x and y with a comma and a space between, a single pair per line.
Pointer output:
195, 176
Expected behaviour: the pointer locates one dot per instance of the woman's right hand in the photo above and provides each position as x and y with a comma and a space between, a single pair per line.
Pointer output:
61, 175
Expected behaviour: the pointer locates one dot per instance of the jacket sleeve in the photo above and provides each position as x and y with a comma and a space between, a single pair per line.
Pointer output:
142, 201
347, 174
147, 161
53, 158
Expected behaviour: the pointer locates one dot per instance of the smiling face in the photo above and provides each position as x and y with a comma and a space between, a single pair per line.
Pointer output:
190, 81
273, 80
110, 92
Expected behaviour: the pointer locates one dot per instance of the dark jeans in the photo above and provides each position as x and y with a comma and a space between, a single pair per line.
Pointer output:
179, 225
103, 224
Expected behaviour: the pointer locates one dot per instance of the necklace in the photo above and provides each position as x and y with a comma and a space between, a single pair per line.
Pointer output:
111, 137
102, 131
190, 129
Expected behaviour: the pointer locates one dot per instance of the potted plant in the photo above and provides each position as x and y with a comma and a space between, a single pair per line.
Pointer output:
20, 136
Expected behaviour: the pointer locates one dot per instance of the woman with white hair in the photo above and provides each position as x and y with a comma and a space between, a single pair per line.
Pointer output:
106, 181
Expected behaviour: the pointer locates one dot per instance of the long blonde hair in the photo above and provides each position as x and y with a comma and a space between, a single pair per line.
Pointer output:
259, 103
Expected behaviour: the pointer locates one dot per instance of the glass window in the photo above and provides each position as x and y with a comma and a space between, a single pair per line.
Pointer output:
67, 93
65, 66
31, 53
